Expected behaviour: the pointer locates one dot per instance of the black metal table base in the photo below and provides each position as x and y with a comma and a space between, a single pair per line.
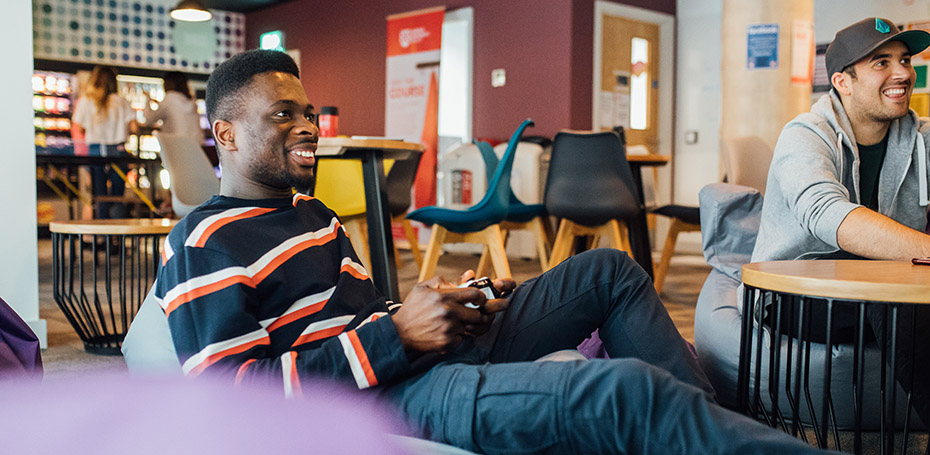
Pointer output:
789, 403
100, 281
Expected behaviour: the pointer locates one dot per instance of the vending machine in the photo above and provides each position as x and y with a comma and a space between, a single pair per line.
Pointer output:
51, 105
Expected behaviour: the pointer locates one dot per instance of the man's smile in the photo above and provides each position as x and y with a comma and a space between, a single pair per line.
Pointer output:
304, 154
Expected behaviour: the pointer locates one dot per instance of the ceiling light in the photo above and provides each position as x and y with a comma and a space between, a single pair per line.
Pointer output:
191, 11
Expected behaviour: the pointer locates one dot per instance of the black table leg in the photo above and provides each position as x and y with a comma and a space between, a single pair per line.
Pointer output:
380, 241
639, 228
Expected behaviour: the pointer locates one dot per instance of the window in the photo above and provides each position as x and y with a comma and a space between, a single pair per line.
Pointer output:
639, 83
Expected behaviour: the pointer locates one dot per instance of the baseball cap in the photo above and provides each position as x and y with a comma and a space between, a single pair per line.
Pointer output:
857, 41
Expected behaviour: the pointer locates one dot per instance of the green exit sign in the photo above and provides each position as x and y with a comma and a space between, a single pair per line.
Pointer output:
273, 41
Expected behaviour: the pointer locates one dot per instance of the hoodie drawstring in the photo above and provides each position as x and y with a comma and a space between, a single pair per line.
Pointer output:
923, 195
839, 148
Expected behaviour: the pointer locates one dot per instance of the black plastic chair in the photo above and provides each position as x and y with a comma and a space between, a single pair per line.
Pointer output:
399, 182
590, 187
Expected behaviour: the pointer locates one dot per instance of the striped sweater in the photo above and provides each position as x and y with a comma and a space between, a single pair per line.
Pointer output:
272, 288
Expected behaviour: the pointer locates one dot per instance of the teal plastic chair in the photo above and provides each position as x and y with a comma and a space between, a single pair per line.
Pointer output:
530, 217
477, 224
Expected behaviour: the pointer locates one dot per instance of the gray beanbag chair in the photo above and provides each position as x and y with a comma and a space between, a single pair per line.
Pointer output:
730, 216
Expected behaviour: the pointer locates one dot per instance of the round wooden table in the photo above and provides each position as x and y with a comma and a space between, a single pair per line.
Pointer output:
790, 285
101, 272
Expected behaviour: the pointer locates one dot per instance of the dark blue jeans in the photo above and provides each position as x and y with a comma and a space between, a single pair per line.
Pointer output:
650, 397
101, 176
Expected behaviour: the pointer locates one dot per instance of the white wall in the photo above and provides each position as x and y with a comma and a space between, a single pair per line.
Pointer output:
698, 98
697, 105
19, 264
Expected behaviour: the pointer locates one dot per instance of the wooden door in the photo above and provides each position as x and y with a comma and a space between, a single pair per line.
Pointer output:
630, 78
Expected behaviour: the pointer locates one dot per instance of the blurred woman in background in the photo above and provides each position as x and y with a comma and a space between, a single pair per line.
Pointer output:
177, 111
106, 119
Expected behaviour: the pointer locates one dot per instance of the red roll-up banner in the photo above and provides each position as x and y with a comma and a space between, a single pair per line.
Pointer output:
412, 90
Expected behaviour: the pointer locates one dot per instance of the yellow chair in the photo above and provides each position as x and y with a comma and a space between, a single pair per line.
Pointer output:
339, 185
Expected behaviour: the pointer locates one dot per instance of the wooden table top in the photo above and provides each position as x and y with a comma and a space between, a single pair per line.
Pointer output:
878, 281
337, 146
649, 159
127, 226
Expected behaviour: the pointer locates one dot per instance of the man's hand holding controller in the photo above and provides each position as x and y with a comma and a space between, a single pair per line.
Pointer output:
484, 285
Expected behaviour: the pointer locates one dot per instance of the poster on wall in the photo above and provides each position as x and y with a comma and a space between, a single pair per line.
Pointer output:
412, 90
802, 52
762, 46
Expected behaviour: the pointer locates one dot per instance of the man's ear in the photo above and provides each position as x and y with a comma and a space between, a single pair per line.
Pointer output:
225, 135
840, 81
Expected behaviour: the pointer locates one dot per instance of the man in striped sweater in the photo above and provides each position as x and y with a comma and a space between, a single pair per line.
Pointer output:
260, 284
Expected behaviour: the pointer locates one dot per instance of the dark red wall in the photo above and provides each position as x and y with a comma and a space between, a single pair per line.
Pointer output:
546, 46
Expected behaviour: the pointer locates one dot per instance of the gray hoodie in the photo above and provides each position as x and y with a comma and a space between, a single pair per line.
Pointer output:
813, 182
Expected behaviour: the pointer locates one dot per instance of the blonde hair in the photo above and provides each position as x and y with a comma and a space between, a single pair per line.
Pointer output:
102, 84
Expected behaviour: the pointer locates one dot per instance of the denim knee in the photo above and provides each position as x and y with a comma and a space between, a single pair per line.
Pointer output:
613, 261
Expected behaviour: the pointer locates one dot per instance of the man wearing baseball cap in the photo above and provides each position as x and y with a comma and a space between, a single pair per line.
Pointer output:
849, 178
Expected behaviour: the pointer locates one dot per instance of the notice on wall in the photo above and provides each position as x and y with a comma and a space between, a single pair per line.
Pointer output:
622, 109
802, 52
762, 46
605, 110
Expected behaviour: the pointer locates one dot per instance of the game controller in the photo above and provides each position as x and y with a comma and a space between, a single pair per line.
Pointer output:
485, 286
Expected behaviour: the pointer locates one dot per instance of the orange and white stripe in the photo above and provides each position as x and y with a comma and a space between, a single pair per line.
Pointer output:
302, 307
198, 237
251, 275
240, 373
290, 247
291, 378
374, 317
300, 197
203, 285
353, 268
323, 329
166, 253
358, 360
215, 352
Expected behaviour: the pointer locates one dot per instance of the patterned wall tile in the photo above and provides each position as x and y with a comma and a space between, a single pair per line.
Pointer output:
129, 33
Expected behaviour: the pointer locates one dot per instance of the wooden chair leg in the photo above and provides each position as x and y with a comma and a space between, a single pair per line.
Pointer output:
356, 228
484, 260
562, 247
398, 261
413, 241
668, 250
542, 242
431, 258
494, 241
625, 237
612, 230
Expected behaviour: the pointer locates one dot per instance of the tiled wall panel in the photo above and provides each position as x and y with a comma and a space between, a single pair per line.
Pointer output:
126, 33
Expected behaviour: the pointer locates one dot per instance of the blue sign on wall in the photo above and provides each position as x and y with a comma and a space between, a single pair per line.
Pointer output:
762, 46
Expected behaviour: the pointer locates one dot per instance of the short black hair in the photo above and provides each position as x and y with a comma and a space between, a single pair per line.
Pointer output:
228, 79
